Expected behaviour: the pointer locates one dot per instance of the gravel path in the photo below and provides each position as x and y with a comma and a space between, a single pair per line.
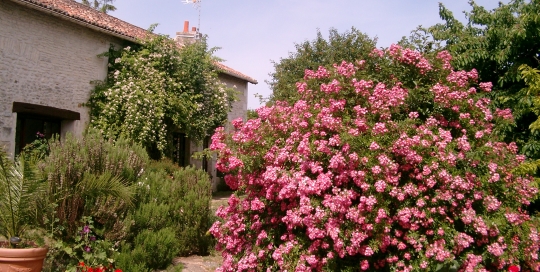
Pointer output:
198, 263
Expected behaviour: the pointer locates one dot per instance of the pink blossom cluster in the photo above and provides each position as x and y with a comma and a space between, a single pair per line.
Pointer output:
356, 175
409, 56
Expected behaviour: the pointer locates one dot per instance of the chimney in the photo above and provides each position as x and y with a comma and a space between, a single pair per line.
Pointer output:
187, 36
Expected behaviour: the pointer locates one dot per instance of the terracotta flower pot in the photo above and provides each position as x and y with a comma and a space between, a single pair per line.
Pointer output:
22, 259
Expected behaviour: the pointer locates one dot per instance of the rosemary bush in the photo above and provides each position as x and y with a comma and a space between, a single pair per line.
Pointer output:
179, 202
91, 177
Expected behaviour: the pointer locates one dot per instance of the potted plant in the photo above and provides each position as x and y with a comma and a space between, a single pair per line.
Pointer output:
20, 187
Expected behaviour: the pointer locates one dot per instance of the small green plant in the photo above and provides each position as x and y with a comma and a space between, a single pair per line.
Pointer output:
88, 250
127, 261
164, 164
39, 148
20, 185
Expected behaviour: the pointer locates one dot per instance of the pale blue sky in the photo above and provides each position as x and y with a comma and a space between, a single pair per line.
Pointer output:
252, 33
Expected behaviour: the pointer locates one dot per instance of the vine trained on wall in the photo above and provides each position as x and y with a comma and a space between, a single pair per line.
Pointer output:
156, 88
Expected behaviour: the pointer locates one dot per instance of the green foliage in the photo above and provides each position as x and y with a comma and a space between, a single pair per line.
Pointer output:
20, 186
155, 89
38, 149
531, 76
101, 5
179, 202
90, 177
156, 248
87, 247
151, 216
497, 43
164, 164
153, 249
494, 42
421, 40
252, 114
349, 46
192, 206
126, 260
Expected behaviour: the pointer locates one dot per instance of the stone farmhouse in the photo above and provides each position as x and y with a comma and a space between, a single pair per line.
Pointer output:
48, 58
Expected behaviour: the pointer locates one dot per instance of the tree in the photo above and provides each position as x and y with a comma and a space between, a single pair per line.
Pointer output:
349, 46
156, 89
101, 5
497, 43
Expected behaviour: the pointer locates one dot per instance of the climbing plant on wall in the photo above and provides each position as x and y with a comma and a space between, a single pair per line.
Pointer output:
156, 88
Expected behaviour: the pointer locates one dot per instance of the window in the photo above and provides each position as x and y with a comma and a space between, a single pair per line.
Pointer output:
29, 126
32, 118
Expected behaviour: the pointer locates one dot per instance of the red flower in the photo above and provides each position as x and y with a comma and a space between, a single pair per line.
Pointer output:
118, 270
514, 268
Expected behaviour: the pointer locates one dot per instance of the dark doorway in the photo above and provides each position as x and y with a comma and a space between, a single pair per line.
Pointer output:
181, 149
206, 144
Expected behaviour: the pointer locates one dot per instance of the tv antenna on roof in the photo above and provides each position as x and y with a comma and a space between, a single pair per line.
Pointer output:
197, 5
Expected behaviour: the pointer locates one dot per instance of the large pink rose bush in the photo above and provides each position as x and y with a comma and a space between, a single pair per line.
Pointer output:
389, 163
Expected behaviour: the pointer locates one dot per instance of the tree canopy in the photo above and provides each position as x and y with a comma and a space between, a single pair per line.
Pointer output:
349, 46
101, 5
496, 43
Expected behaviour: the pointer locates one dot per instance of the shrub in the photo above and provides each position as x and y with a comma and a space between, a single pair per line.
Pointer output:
152, 216
179, 202
392, 162
91, 176
156, 248
164, 164
193, 196
131, 260
151, 210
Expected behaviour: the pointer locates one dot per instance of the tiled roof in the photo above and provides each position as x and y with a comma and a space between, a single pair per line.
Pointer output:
89, 17
230, 71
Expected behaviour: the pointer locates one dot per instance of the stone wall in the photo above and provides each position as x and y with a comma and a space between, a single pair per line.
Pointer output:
239, 109
48, 61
